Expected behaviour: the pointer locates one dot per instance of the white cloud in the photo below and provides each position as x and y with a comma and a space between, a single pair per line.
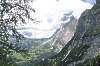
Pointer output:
53, 10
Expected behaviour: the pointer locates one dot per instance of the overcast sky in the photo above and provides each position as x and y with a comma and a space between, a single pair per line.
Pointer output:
50, 12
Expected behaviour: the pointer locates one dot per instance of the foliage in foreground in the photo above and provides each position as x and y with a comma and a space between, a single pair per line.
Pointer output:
12, 13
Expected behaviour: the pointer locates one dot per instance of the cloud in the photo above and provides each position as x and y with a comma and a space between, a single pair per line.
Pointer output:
90, 1
50, 13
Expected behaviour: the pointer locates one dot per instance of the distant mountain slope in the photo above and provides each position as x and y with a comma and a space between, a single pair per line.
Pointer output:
39, 49
64, 34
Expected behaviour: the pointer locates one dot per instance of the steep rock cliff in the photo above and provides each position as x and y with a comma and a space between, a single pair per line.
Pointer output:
84, 48
64, 34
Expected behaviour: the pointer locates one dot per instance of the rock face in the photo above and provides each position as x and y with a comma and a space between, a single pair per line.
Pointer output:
64, 34
98, 1
85, 44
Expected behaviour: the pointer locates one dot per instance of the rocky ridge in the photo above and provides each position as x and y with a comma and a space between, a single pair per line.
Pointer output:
84, 47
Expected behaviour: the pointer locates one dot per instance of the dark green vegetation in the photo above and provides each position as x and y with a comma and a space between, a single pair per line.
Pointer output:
34, 50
